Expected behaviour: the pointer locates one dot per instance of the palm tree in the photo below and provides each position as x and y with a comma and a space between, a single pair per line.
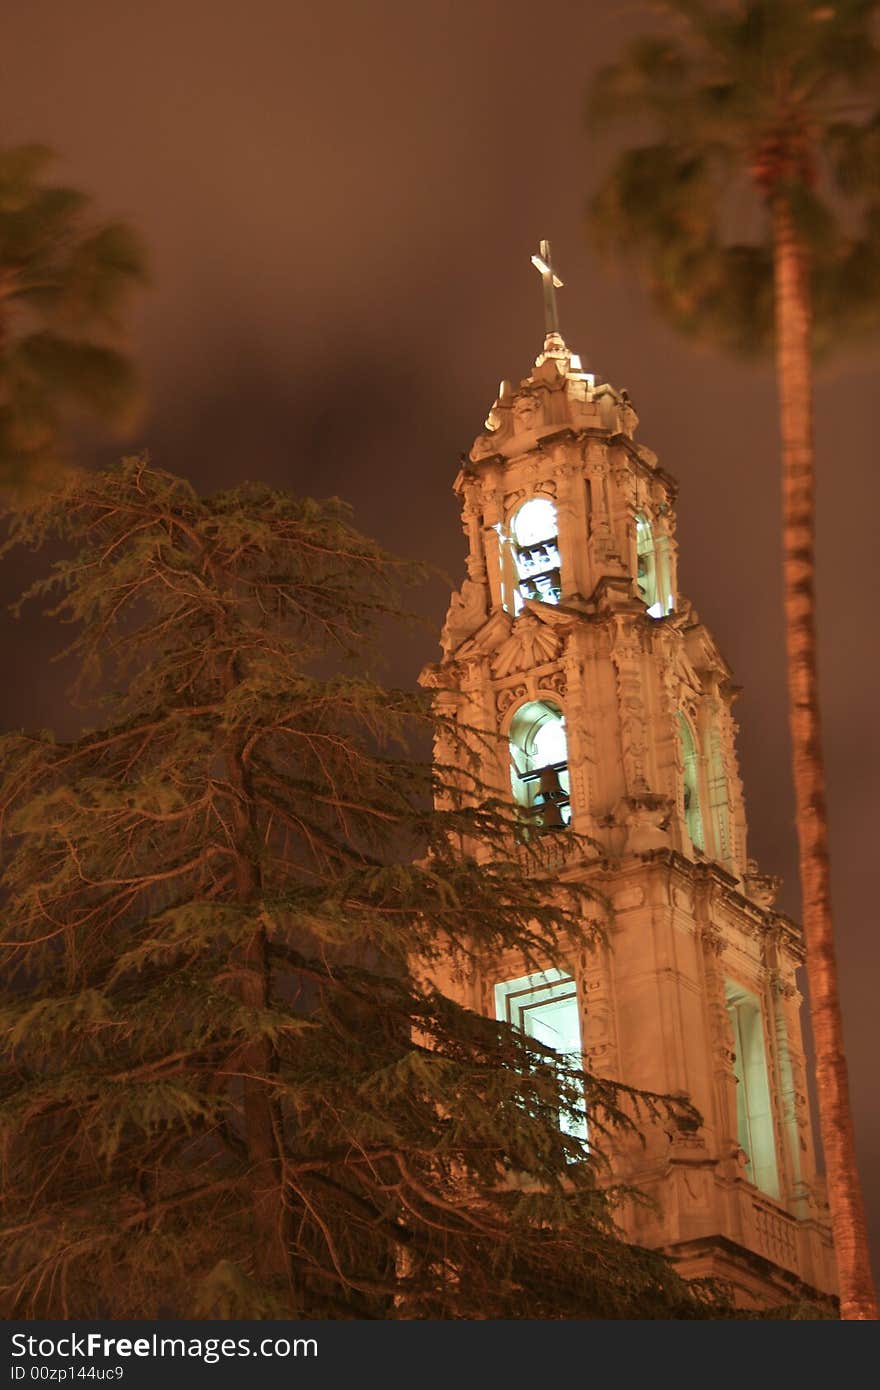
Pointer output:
63, 281
754, 216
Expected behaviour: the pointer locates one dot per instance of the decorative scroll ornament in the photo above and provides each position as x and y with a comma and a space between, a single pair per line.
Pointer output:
556, 680
510, 695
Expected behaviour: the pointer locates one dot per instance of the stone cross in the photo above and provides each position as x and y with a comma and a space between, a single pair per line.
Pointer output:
551, 283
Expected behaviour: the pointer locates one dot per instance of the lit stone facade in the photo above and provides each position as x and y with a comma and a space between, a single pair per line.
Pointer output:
610, 707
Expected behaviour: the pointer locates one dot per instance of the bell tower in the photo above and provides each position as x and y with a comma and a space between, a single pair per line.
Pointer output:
606, 710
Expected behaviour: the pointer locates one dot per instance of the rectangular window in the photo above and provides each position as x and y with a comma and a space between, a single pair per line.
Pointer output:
544, 1006
754, 1114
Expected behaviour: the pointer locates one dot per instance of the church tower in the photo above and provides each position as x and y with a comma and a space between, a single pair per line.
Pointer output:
571, 647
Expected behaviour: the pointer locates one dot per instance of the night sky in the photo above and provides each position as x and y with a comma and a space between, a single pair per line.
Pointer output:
340, 203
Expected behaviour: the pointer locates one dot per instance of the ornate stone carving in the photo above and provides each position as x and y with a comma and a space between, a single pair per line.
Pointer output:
670, 684
626, 653
555, 680
510, 695
783, 987
629, 420
712, 938
664, 521
646, 818
609, 415
632, 732
599, 1022
466, 612
776, 1234
761, 888
436, 676
531, 643
547, 853
485, 445
527, 411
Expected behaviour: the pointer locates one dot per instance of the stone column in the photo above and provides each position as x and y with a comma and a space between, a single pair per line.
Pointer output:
712, 946
602, 541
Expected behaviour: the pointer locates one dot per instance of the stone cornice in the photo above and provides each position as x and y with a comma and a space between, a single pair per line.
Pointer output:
624, 442
564, 436
567, 435
473, 467
614, 593
768, 920
764, 1269
708, 874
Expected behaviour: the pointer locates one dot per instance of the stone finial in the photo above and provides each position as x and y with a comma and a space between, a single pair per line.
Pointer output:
646, 817
761, 888
555, 350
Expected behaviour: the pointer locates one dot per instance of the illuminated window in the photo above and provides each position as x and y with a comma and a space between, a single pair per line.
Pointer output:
692, 814
544, 1006
539, 764
754, 1117
651, 578
534, 545
718, 795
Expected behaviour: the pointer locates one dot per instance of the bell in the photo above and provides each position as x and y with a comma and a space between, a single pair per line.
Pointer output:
549, 786
551, 816
549, 794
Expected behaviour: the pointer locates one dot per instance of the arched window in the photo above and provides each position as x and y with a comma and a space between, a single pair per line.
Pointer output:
692, 813
651, 578
718, 795
535, 546
539, 764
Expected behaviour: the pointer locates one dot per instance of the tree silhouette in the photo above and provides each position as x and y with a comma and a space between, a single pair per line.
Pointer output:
64, 282
231, 1089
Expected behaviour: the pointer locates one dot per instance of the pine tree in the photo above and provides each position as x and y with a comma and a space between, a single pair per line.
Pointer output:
754, 216
230, 1087
65, 279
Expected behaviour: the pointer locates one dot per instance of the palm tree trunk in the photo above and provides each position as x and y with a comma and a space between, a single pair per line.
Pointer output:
795, 385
